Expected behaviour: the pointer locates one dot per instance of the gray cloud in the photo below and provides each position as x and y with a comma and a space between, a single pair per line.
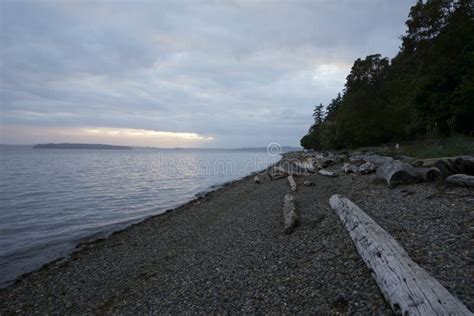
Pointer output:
243, 72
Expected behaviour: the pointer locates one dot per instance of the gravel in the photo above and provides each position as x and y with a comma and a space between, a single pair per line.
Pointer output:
226, 253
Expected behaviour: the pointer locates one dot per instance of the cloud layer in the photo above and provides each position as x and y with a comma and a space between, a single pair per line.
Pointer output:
233, 73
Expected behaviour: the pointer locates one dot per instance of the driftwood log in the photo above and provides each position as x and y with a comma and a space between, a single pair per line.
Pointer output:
375, 159
348, 168
449, 165
367, 167
461, 179
276, 173
305, 165
292, 182
290, 214
327, 173
396, 172
407, 287
428, 174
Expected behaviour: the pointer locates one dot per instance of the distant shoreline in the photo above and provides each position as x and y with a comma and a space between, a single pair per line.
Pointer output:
80, 146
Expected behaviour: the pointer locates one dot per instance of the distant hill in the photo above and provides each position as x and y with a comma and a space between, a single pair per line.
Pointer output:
80, 146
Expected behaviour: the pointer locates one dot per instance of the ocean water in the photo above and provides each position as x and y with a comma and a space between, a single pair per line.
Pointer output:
51, 199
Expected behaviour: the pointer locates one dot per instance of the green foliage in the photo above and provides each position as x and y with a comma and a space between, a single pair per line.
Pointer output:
434, 148
427, 90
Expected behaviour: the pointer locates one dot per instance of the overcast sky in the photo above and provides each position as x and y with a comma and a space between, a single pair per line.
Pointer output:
181, 73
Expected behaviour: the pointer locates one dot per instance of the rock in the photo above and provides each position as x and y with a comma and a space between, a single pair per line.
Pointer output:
309, 183
461, 179
327, 173
367, 168
257, 180
348, 168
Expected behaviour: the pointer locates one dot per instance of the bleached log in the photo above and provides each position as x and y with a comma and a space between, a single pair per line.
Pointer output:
290, 214
461, 179
305, 166
407, 287
373, 158
257, 180
327, 173
428, 174
292, 182
396, 172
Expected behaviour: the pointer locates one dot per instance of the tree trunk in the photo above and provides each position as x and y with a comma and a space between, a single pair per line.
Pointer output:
290, 214
407, 287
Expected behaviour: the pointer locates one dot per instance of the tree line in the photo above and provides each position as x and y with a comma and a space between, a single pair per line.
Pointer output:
427, 89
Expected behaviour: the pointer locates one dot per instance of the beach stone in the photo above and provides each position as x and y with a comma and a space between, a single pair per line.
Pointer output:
367, 168
309, 183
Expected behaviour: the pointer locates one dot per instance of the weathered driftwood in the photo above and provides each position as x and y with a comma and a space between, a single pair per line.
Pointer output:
449, 165
396, 172
290, 214
373, 158
465, 164
461, 179
407, 287
348, 168
327, 173
276, 173
367, 168
256, 179
292, 182
305, 165
428, 174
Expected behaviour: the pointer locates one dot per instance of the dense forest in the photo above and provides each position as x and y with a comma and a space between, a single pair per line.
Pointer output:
427, 90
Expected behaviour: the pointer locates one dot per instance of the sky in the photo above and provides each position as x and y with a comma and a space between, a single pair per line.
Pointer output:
181, 73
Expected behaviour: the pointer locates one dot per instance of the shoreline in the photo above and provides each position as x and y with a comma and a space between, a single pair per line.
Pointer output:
103, 235
225, 252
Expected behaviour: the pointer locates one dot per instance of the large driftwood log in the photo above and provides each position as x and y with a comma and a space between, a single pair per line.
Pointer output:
290, 214
449, 165
396, 172
292, 182
461, 179
428, 174
408, 288
373, 158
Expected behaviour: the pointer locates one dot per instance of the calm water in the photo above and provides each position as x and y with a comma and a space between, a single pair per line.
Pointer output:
50, 199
